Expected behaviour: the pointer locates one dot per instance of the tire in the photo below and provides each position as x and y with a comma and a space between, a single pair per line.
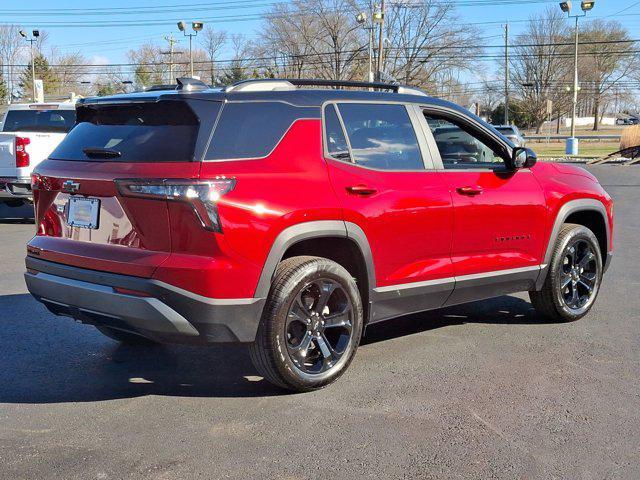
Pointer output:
126, 338
564, 283
311, 325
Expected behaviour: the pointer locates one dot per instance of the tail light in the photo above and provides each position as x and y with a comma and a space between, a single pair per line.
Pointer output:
36, 181
22, 157
202, 195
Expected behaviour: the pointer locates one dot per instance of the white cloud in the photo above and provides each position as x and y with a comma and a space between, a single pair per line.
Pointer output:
99, 60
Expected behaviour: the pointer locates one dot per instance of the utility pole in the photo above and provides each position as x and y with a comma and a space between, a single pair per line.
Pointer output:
381, 42
506, 74
171, 42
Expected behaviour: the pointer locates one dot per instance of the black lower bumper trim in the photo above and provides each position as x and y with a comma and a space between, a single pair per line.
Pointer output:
169, 314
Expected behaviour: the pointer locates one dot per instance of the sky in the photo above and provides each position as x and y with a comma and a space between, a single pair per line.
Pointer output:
124, 24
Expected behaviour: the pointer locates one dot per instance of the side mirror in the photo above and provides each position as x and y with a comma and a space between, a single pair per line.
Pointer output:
523, 158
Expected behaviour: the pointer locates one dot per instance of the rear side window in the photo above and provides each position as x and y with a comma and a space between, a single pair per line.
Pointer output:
48, 121
251, 129
164, 131
381, 136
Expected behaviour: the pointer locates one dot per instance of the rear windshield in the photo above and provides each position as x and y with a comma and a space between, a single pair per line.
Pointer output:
48, 121
164, 131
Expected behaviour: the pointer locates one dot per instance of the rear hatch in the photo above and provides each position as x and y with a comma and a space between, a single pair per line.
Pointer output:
101, 197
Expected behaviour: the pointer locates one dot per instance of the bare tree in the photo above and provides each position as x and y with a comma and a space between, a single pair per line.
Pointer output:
110, 81
239, 68
213, 41
11, 47
148, 65
68, 71
315, 39
284, 49
540, 65
426, 39
607, 59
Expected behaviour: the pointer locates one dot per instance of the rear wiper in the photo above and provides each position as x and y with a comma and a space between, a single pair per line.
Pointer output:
93, 152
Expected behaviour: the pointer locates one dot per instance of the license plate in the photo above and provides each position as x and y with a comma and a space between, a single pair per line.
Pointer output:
83, 212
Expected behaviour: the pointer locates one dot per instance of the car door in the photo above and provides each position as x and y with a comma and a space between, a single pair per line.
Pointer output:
499, 213
382, 174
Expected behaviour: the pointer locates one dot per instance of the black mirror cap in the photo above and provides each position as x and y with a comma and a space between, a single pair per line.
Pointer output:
523, 158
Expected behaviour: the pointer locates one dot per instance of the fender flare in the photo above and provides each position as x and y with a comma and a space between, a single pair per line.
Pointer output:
315, 229
572, 206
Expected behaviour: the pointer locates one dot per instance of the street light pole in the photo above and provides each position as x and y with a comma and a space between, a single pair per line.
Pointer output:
33, 71
361, 18
572, 142
379, 17
575, 81
196, 26
32, 40
506, 74
191, 53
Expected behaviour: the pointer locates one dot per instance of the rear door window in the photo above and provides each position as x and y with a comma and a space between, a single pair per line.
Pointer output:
164, 131
381, 136
47, 121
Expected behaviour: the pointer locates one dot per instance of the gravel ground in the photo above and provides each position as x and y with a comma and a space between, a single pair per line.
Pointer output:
485, 390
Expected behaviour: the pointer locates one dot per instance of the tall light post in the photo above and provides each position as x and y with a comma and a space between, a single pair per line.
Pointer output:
32, 40
378, 17
572, 142
361, 18
196, 26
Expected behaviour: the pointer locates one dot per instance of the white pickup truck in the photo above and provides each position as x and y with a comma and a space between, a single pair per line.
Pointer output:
29, 132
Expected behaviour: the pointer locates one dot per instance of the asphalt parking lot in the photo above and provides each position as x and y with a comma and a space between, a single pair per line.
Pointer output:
486, 390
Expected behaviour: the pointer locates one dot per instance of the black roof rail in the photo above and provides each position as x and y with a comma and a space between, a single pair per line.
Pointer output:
304, 82
155, 88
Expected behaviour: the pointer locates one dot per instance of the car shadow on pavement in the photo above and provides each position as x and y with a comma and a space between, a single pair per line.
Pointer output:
49, 359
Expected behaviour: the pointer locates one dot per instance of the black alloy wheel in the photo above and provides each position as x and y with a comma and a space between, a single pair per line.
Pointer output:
319, 326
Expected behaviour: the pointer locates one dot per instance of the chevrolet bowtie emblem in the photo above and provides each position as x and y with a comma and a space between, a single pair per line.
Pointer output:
70, 186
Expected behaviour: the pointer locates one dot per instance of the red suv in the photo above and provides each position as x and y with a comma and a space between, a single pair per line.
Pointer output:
290, 217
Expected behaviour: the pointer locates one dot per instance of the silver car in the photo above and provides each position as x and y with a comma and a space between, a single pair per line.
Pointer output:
512, 133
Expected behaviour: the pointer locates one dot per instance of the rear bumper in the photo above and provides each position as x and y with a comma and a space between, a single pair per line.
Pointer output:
169, 314
15, 188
